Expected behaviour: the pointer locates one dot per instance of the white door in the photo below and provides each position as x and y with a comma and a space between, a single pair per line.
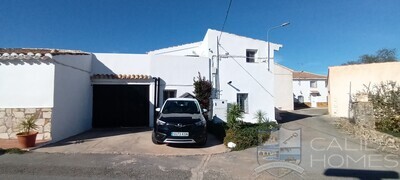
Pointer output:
313, 101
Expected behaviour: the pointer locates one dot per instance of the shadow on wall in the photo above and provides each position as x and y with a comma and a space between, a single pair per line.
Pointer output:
361, 174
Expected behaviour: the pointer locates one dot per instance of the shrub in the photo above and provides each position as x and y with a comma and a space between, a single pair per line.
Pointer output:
234, 116
202, 91
385, 98
247, 135
261, 116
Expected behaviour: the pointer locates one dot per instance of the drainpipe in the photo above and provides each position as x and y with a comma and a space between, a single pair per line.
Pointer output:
155, 100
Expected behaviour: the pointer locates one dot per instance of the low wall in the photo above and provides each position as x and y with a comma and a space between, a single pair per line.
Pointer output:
11, 117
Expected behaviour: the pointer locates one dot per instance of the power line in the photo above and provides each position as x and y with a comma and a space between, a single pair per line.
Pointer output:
226, 18
247, 72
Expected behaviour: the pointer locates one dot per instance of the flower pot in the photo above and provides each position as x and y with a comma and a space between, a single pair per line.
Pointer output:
27, 139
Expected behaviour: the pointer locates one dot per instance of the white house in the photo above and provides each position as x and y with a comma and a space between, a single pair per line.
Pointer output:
310, 89
54, 83
243, 74
74, 91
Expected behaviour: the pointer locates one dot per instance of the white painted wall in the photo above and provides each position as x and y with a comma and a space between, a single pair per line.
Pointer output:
24, 84
283, 88
261, 97
177, 72
109, 63
257, 82
302, 87
345, 81
72, 112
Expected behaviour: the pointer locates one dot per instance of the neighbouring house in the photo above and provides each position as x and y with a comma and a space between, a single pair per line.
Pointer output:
283, 87
309, 89
54, 83
345, 81
74, 91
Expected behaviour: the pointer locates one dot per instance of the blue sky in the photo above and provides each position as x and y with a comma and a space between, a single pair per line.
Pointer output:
322, 33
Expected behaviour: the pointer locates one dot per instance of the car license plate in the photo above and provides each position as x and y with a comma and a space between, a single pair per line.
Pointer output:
184, 134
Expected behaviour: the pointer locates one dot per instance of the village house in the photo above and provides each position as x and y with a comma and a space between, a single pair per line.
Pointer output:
74, 91
310, 89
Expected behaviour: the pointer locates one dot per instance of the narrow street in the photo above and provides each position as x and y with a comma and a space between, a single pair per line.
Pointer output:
326, 153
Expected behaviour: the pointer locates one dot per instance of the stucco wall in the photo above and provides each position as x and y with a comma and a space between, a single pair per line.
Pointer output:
302, 87
72, 112
177, 72
258, 82
109, 63
283, 88
345, 81
26, 84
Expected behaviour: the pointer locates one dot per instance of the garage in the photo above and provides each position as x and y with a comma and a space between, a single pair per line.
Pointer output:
120, 106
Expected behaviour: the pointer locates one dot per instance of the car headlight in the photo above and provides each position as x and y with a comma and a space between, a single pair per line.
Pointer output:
160, 123
200, 123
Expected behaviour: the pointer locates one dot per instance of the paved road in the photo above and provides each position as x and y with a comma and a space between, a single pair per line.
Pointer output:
326, 154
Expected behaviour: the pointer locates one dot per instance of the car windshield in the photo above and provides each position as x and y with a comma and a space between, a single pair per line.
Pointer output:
173, 106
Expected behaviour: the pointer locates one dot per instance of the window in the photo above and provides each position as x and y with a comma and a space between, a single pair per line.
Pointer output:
186, 107
301, 99
313, 84
250, 55
169, 94
242, 101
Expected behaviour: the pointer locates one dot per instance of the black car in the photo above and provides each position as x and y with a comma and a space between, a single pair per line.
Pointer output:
180, 120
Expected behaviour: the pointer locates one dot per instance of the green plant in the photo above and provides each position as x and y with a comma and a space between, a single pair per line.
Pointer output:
234, 116
385, 98
27, 125
202, 91
249, 135
260, 116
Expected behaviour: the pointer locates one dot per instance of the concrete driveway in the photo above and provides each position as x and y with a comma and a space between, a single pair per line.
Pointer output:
127, 141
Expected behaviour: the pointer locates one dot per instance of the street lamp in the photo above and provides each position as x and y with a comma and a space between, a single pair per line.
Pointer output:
282, 25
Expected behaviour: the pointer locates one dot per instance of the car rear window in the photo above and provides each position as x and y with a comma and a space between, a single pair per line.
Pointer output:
188, 107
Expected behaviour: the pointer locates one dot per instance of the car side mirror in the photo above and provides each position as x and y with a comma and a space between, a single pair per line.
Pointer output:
205, 110
158, 109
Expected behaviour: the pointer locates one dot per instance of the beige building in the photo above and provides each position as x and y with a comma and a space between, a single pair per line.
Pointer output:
346, 81
283, 96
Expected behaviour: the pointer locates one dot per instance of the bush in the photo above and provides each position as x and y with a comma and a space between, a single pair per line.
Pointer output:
385, 98
234, 116
247, 135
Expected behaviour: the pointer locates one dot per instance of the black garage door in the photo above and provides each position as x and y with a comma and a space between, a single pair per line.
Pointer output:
120, 105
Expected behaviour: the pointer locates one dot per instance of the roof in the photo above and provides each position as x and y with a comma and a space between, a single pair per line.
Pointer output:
121, 76
176, 48
306, 75
35, 53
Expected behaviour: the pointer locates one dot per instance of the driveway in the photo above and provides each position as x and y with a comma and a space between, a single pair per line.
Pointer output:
127, 141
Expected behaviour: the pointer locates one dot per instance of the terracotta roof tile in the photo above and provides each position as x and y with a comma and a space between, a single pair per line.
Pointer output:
35, 53
306, 75
121, 76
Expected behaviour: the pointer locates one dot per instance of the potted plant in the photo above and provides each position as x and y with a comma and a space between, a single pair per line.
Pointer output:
27, 135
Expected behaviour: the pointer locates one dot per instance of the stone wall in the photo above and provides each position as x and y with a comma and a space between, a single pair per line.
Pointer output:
11, 117
362, 113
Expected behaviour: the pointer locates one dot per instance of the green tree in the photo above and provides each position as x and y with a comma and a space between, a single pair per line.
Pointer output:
202, 91
382, 55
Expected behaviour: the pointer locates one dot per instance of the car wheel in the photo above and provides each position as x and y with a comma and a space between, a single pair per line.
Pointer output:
202, 142
153, 138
